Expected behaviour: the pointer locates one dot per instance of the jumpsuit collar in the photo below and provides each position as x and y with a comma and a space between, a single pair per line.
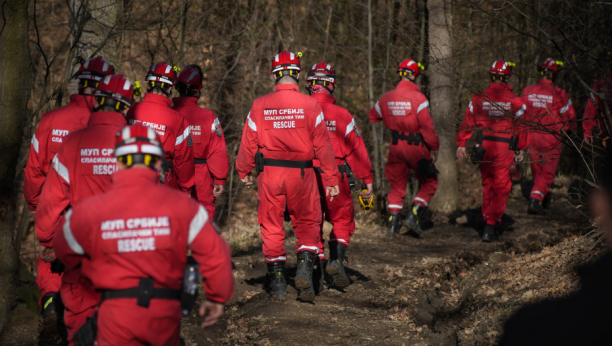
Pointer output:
159, 99
286, 87
324, 98
405, 84
107, 118
135, 177
83, 101
545, 81
500, 86
185, 101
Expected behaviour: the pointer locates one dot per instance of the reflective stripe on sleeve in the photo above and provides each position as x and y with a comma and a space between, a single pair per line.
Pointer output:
61, 169
350, 127
196, 225
182, 137
35, 143
377, 107
74, 245
423, 106
471, 107
251, 123
320, 119
567, 106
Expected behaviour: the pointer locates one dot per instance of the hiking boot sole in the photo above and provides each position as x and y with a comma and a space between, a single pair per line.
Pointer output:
301, 283
531, 211
339, 280
307, 295
414, 230
277, 297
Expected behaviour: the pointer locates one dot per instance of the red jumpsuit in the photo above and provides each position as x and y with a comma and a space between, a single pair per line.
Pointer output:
287, 125
405, 110
593, 122
208, 145
54, 125
494, 112
82, 168
155, 112
142, 229
549, 110
345, 138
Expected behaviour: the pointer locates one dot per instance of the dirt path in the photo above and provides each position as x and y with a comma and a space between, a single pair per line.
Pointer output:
360, 314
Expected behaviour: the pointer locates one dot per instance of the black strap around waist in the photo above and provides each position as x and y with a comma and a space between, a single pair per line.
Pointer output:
158, 293
200, 161
341, 169
411, 138
498, 139
288, 163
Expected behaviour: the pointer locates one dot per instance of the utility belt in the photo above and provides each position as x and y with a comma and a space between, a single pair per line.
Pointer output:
166, 167
478, 151
411, 138
344, 169
200, 161
261, 162
143, 293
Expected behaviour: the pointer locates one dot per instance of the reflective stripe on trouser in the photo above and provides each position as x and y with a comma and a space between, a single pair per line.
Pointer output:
47, 281
496, 183
544, 163
203, 189
402, 158
122, 322
281, 187
80, 301
340, 213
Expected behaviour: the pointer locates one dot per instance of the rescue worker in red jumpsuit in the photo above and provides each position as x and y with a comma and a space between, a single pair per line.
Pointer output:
155, 112
209, 151
594, 124
286, 131
549, 113
54, 126
134, 239
495, 113
351, 155
82, 168
405, 111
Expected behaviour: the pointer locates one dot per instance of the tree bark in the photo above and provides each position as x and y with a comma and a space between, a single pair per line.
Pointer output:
376, 165
441, 95
15, 85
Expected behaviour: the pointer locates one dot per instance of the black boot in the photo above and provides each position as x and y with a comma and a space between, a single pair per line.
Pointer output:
489, 234
335, 266
394, 225
53, 327
535, 208
547, 200
318, 274
278, 285
303, 275
412, 221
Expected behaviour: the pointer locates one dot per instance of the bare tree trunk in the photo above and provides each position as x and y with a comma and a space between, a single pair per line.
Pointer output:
441, 96
376, 166
98, 20
15, 86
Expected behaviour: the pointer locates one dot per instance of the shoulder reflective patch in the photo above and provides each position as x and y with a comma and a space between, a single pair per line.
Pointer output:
357, 131
320, 119
189, 141
563, 110
377, 107
251, 123
471, 107
183, 136
219, 131
423, 106
521, 111
74, 245
61, 169
350, 128
215, 123
35, 143
198, 221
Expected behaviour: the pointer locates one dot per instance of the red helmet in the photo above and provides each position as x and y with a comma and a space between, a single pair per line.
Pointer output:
94, 69
551, 65
191, 77
135, 142
502, 68
115, 91
162, 73
319, 78
410, 66
286, 61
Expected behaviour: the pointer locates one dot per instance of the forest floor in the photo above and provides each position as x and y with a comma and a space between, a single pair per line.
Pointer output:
449, 288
